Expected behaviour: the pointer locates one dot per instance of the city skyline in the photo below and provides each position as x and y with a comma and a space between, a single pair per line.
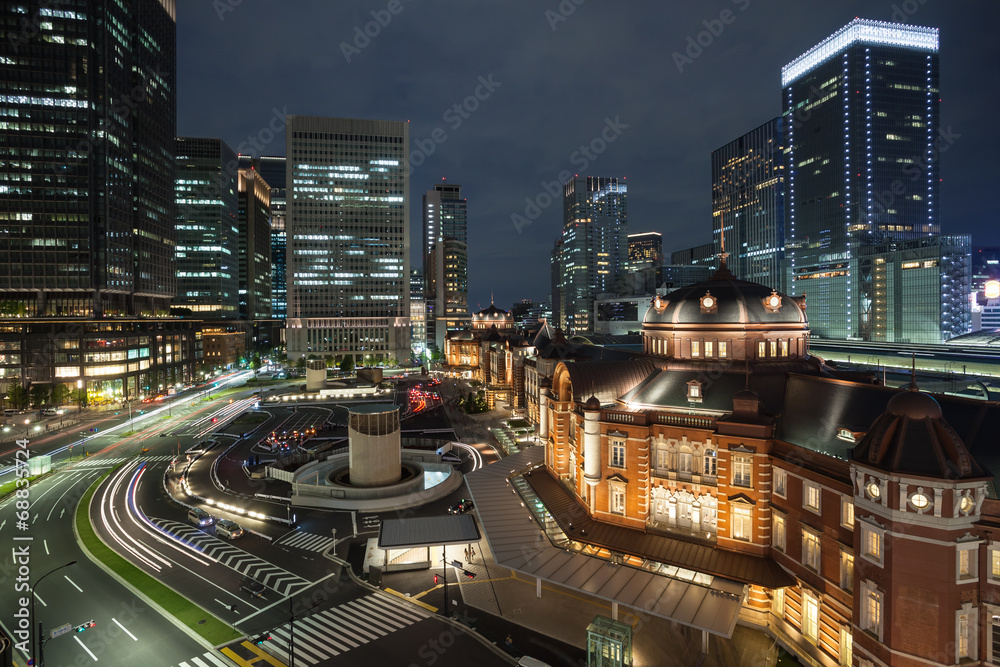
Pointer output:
656, 121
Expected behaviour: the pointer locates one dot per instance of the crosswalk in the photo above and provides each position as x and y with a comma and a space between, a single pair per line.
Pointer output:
206, 659
113, 461
301, 539
272, 576
334, 631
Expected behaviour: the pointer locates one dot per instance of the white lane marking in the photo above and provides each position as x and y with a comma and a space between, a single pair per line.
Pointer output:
3, 524
85, 648
227, 605
40, 600
62, 512
134, 638
46, 543
74, 585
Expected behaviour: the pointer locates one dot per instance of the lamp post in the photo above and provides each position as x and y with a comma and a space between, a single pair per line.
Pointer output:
79, 394
41, 658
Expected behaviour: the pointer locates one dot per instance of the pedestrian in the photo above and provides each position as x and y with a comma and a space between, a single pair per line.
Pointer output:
467, 555
472, 553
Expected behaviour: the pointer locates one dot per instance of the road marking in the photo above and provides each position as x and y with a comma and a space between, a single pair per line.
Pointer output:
62, 512
3, 524
46, 543
34, 519
226, 605
134, 638
40, 600
74, 586
85, 648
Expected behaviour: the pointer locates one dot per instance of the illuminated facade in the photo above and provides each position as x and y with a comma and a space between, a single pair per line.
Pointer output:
446, 271
208, 235
348, 238
748, 197
418, 314
862, 122
272, 168
255, 245
89, 118
644, 249
592, 254
855, 518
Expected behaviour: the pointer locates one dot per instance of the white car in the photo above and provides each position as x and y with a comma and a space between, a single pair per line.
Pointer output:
228, 529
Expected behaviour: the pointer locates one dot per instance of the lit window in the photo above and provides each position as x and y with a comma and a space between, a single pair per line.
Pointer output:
741, 470
810, 549
871, 543
778, 602
784, 348
694, 391
617, 499
723, 352
709, 348
967, 563
710, 462
684, 461
846, 570
810, 616
780, 482
995, 561
778, 532
871, 609
846, 646
695, 348
617, 454
963, 635
774, 348
742, 522
761, 350
847, 511
811, 495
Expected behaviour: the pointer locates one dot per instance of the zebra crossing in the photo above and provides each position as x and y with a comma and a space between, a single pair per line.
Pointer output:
272, 576
301, 539
206, 659
334, 631
113, 461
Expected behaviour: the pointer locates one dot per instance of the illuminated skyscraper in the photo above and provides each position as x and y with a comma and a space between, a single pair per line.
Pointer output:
861, 117
592, 256
208, 271
272, 168
255, 245
748, 195
348, 238
446, 272
644, 249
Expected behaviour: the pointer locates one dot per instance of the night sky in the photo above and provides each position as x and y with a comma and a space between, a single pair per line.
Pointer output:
551, 77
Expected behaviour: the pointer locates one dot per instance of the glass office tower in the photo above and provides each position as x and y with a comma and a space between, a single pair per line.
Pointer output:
272, 168
88, 105
348, 238
208, 272
255, 245
446, 274
594, 250
861, 116
644, 249
748, 196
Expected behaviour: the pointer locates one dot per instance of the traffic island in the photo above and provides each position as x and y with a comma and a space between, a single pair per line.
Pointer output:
156, 594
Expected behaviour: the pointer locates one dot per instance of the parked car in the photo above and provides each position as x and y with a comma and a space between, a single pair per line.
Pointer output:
461, 507
228, 529
252, 587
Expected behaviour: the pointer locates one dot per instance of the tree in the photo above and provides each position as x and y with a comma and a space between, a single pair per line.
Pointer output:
255, 363
60, 394
347, 365
39, 395
17, 394
300, 364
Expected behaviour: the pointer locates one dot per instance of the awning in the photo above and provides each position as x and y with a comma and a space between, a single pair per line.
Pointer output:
428, 531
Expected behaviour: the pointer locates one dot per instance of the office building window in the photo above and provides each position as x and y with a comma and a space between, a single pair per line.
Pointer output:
810, 549
742, 522
810, 616
742, 466
778, 531
811, 496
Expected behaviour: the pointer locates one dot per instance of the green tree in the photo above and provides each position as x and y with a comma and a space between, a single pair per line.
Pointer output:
255, 363
347, 365
60, 394
39, 395
300, 364
17, 394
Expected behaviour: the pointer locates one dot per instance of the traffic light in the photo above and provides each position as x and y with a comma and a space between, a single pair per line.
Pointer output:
261, 638
84, 626
437, 578
470, 575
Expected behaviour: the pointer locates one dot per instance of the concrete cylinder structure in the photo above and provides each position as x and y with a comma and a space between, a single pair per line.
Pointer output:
592, 442
315, 374
374, 445
543, 414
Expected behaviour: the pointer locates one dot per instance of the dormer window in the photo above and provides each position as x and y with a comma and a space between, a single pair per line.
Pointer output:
694, 391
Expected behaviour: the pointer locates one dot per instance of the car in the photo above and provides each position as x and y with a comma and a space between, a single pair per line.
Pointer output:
252, 587
200, 517
228, 528
461, 507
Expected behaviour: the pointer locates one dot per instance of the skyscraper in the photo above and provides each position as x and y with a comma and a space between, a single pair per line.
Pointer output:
861, 116
272, 168
594, 249
348, 238
445, 217
87, 148
255, 245
644, 249
748, 196
208, 271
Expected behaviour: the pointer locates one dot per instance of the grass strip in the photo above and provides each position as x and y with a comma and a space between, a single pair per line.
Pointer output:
203, 623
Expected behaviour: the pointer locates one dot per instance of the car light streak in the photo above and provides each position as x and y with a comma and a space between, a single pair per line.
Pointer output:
112, 525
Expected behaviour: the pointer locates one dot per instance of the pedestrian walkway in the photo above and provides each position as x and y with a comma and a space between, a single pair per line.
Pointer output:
206, 659
335, 631
272, 576
301, 539
96, 462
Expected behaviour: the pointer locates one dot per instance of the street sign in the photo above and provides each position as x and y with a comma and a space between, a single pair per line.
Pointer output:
61, 630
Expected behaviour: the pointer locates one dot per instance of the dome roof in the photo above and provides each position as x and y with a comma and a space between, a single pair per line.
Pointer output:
912, 437
914, 405
724, 299
592, 403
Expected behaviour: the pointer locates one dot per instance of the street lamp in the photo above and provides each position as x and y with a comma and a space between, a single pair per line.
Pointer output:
41, 657
79, 394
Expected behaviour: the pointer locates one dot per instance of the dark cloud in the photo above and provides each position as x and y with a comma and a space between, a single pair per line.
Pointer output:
557, 88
